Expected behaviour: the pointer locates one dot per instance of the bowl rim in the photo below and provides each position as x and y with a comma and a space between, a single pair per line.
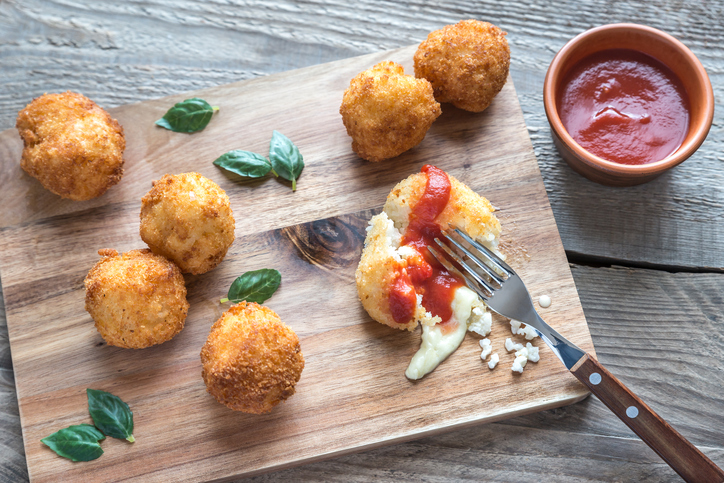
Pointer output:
687, 148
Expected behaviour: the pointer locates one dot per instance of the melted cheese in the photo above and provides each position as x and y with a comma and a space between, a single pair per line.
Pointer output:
438, 345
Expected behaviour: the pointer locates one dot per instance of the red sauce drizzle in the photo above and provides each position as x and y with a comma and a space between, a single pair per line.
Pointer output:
402, 298
624, 106
424, 275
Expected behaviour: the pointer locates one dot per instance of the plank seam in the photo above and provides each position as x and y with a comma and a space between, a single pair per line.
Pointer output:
595, 261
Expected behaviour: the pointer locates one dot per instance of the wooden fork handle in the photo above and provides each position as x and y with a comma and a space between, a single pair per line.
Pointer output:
690, 463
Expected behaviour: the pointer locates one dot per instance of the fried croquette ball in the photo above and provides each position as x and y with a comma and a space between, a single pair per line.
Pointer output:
466, 63
187, 218
387, 112
384, 256
72, 146
251, 360
137, 299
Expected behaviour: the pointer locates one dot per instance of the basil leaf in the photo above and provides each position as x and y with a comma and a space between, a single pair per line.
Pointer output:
285, 158
188, 116
110, 414
244, 163
77, 443
256, 286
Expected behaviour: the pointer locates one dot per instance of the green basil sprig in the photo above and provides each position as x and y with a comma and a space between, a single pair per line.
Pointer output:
257, 286
110, 414
77, 443
188, 116
80, 442
285, 158
285, 161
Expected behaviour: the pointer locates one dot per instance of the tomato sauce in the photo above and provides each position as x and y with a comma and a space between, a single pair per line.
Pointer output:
624, 106
402, 298
424, 275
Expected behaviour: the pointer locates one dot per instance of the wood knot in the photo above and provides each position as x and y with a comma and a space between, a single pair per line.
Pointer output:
330, 243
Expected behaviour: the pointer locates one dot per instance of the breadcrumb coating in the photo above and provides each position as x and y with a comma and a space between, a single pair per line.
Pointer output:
466, 63
71, 145
465, 209
187, 218
383, 257
137, 299
387, 112
251, 360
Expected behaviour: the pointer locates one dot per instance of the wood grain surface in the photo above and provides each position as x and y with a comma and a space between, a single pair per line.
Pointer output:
683, 457
118, 53
655, 329
353, 394
586, 441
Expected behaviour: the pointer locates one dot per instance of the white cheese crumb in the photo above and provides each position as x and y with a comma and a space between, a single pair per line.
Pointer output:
530, 353
511, 346
523, 355
487, 348
544, 301
519, 364
529, 332
493, 361
480, 321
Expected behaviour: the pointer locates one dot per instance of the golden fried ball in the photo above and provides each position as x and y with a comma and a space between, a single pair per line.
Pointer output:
382, 256
387, 112
466, 63
72, 146
251, 360
137, 299
187, 218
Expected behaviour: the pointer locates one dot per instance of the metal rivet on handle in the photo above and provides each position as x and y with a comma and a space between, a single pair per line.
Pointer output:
632, 412
595, 378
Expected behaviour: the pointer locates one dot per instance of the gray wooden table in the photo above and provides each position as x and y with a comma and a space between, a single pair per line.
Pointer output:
648, 261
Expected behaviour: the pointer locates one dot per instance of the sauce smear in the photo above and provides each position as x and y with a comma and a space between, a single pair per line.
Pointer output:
424, 274
624, 106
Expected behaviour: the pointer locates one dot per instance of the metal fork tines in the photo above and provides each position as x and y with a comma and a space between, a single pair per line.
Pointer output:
497, 284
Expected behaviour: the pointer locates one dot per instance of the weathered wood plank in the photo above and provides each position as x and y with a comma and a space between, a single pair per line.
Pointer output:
125, 52
12, 454
656, 331
498, 452
652, 329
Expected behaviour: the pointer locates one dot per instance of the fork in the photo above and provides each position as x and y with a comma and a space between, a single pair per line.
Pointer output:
504, 292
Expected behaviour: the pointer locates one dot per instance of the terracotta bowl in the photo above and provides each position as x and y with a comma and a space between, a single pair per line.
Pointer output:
662, 47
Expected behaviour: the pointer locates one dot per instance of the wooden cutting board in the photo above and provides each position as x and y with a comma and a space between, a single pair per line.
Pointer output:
353, 394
